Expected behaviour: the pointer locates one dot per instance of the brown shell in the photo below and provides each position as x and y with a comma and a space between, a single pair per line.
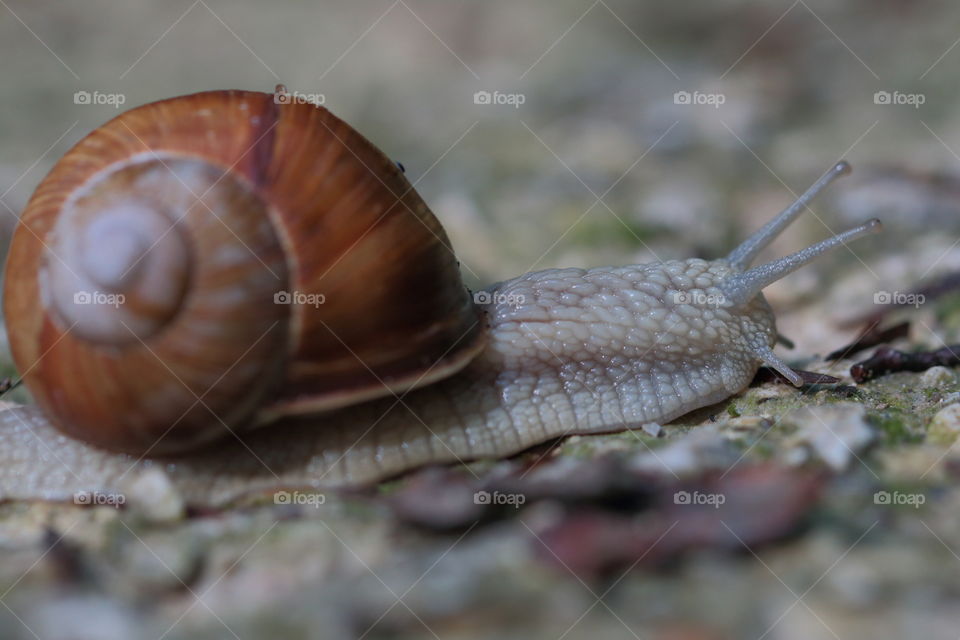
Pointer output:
316, 209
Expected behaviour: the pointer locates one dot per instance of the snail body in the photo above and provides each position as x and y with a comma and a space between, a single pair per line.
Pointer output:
396, 368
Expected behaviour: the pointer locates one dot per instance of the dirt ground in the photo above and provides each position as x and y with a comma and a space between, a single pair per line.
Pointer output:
616, 132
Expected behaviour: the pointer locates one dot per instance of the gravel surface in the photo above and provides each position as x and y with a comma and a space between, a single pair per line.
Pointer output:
827, 512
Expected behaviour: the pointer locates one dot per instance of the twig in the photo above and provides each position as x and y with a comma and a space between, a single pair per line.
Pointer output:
871, 337
886, 360
6, 384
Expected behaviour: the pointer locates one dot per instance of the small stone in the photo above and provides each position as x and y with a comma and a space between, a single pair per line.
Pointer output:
154, 496
916, 464
937, 377
697, 451
771, 391
653, 429
951, 398
796, 456
102, 618
945, 426
836, 433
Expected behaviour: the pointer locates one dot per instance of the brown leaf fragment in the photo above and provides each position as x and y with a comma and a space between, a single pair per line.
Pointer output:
746, 508
438, 498
449, 498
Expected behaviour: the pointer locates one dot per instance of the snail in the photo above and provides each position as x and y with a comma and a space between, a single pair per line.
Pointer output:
242, 291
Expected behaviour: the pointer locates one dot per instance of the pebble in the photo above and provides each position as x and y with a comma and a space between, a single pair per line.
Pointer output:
153, 496
950, 398
945, 426
915, 464
937, 377
653, 429
83, 617
695, 452
771, 391
835, 433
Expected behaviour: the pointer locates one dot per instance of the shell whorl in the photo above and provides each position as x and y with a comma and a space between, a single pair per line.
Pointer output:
145, 271
118, 265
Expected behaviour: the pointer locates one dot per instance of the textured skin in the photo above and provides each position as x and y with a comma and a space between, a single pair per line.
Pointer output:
569, 351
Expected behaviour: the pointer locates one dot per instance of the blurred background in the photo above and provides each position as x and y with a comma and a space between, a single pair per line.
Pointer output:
616, 131
568, 133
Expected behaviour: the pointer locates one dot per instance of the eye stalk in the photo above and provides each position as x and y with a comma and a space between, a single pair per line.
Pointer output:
744, 255
740, 288
747, 282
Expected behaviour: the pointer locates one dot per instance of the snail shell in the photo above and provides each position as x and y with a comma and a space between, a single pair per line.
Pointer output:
146, 282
